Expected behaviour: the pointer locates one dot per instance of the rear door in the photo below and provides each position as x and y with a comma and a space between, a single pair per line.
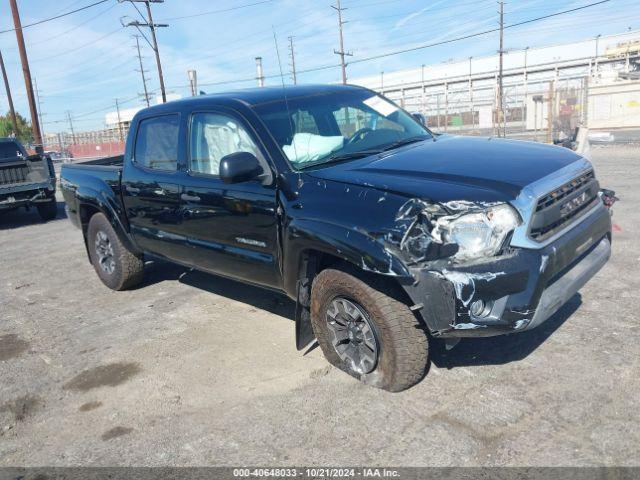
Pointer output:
233, 228
151, 187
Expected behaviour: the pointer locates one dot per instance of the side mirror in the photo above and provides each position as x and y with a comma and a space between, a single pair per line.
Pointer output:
420, 119
239, 167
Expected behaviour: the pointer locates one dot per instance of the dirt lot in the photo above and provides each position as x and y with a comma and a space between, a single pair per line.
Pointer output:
191, 369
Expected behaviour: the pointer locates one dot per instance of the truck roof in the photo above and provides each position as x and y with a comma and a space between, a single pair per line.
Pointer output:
260, 95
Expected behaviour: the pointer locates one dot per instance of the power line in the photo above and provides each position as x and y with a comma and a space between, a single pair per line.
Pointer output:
210, 12
84, 45
365, 59
54, 18
478, 34
48, 39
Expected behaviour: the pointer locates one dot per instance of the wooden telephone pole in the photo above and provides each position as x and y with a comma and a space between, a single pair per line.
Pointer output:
35, 124
154, 42
14, 120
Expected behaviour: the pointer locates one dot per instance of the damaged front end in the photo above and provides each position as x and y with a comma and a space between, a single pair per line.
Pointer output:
469, 278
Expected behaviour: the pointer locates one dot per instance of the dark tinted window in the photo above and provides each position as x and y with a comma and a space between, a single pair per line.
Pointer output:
9, 150
157, 142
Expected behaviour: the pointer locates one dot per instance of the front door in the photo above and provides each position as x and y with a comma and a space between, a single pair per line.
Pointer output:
151, 188
232, 228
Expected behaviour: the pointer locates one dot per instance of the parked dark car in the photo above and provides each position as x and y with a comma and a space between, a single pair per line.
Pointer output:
26, 180
383, 233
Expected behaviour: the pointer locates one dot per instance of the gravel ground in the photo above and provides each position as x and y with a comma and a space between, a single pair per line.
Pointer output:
191, 369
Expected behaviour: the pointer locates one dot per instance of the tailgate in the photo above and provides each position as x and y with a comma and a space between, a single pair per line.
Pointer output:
13, 173
33, 170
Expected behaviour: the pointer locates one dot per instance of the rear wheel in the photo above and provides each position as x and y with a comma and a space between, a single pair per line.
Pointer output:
49, 210
363, 330
117, 267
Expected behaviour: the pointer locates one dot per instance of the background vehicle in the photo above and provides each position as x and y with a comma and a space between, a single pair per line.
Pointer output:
383, 233
26, 180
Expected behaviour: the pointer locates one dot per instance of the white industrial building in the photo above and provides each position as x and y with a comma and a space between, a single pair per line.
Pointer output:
594, 82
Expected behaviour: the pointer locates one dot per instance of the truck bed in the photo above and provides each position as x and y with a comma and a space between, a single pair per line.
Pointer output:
92, 179
116, 160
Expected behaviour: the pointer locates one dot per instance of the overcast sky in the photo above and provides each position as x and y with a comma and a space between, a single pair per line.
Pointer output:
83, 61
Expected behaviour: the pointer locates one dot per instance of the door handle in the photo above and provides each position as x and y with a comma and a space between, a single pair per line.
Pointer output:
131, 189
190, 198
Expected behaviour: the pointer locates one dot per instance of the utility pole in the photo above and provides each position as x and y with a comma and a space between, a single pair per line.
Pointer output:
551, 100
501, 119
35, 84
144, 80
259, 73
341, 52
473, 114
526, 92
193, 82
597, 52
293, 61
154, 42
35, 125
14, 120
119, 121
73, 134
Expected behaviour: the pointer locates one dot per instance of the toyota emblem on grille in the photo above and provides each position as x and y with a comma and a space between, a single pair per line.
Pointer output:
573, 204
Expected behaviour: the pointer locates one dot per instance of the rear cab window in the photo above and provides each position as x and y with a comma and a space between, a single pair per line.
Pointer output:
10, 150
156, 145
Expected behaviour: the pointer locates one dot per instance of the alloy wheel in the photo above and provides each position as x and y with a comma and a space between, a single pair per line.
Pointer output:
104, 251
352, 335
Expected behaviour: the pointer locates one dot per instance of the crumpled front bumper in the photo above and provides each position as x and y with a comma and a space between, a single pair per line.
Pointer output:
521, 289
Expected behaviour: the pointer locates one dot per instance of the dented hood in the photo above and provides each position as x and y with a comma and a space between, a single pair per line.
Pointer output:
454, 168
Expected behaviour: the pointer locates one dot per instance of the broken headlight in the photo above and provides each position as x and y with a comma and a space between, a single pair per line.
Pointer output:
480, 234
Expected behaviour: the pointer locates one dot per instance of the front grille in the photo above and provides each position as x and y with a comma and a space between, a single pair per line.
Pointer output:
558, 208
12, 174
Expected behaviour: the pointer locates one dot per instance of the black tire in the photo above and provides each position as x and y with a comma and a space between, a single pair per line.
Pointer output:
403, 348
49, 210
120, 269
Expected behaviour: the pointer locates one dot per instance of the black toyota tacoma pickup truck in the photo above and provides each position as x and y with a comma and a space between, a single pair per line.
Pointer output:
26, 180
384, 233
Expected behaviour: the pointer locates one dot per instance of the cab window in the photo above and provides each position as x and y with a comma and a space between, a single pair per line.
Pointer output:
214, 136
157, 143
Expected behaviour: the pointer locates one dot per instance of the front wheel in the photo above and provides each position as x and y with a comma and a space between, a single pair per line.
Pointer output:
368, 333
117, 267
49, 210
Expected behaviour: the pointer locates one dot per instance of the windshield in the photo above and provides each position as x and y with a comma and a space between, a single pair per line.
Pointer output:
336, 126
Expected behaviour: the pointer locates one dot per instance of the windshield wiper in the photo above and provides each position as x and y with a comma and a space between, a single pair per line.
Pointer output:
405, 141
343, 157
